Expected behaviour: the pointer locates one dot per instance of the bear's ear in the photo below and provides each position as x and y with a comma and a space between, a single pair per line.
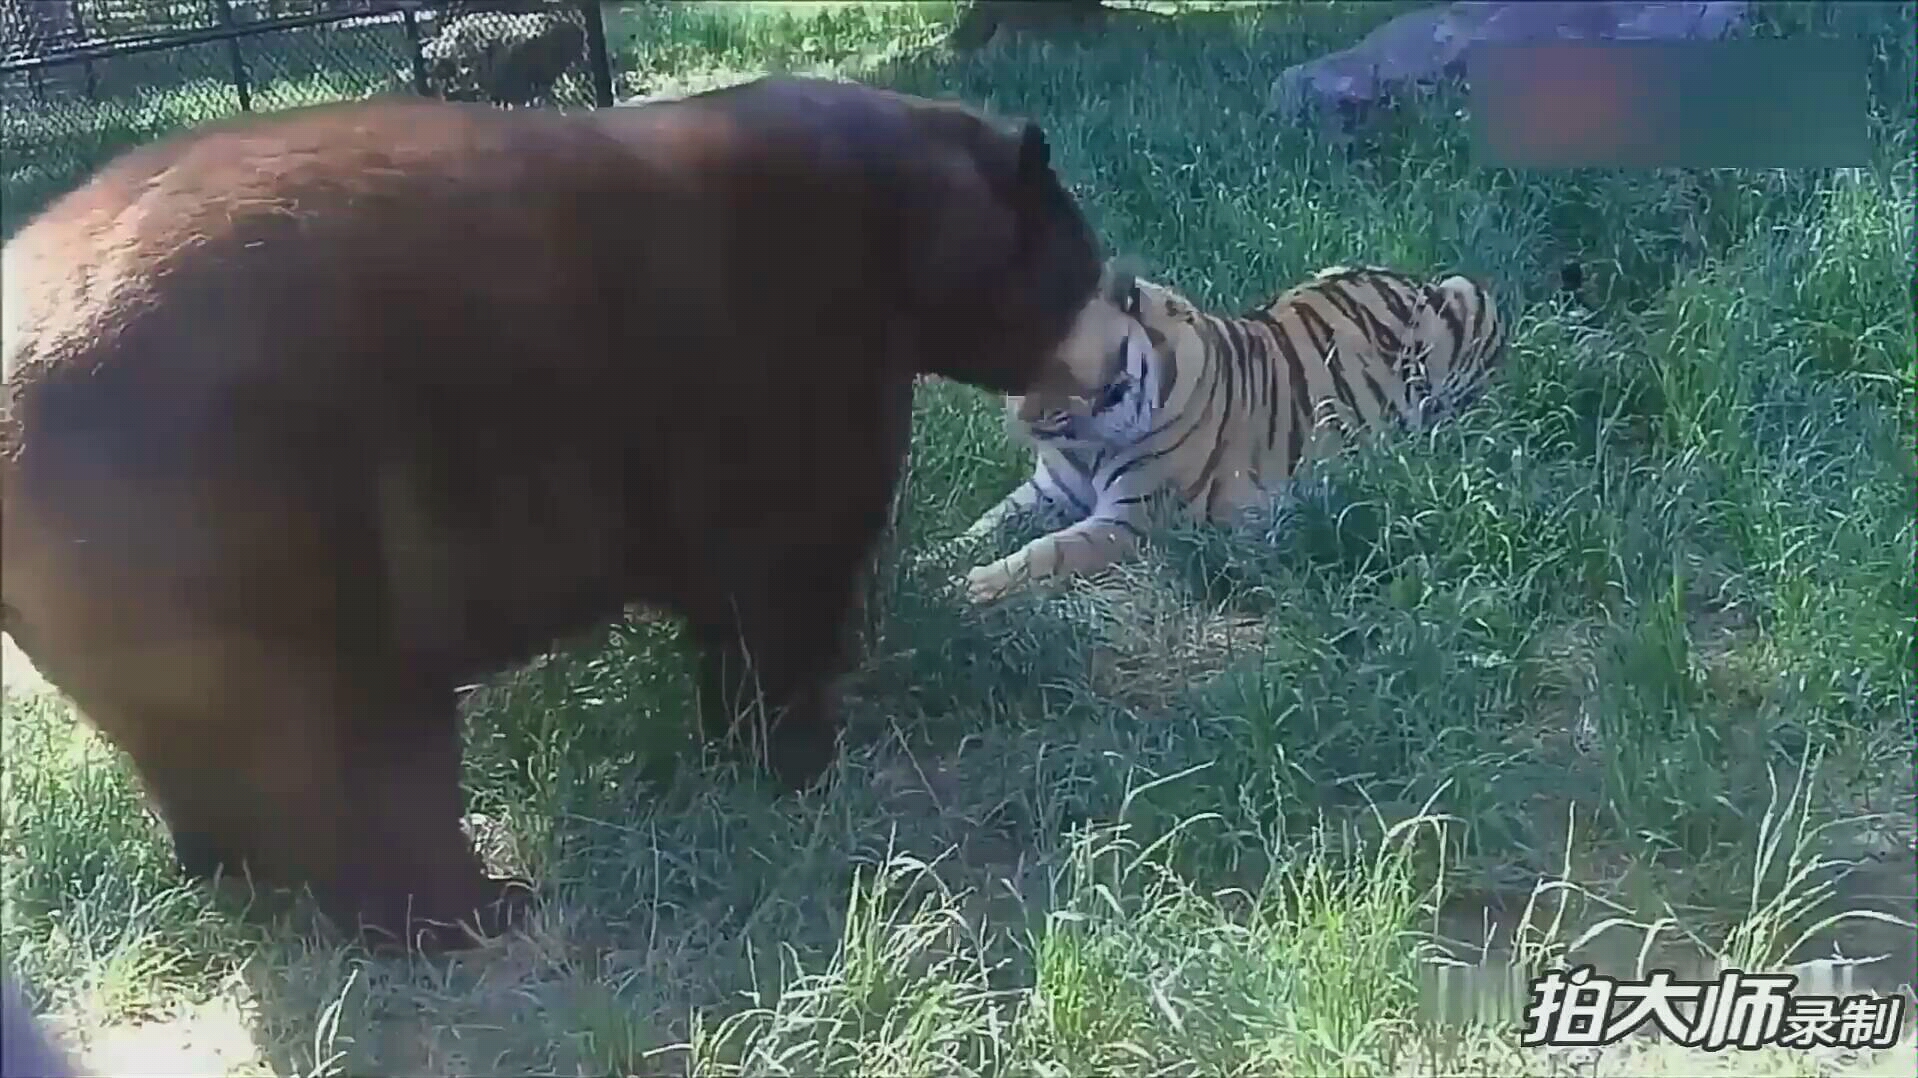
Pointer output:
1035, 157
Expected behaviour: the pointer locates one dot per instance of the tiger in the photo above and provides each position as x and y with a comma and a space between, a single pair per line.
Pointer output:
1221, 413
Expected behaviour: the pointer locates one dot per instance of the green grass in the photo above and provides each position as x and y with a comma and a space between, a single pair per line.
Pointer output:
1623, 655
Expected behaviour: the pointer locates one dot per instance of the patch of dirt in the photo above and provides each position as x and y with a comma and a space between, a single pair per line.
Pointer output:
1155, 643
212, 1038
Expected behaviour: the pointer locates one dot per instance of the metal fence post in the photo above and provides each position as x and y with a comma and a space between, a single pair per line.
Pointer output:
602, 65
240, 86
412, 21
80, 32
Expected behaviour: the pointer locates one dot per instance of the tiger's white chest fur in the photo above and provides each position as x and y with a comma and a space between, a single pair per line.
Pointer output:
1078, 450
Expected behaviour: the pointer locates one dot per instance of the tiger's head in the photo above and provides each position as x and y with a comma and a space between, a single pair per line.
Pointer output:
1144, 332
1119, 407
1169, 320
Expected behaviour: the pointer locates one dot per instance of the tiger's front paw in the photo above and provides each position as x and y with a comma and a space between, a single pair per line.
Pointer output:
987, 583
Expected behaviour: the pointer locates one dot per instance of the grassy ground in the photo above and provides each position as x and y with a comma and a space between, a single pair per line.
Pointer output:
1619, 665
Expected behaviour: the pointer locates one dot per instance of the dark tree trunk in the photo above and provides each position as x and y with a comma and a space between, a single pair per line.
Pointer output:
984, 18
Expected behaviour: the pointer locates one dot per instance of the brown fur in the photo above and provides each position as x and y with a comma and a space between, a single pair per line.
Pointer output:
311, 418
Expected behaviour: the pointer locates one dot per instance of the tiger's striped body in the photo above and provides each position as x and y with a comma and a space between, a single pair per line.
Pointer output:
1221, 413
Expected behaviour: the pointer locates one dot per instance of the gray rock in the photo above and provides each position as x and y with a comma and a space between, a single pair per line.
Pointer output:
1425, 45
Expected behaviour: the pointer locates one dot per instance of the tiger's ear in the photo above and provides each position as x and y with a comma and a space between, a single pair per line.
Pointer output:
1121, 286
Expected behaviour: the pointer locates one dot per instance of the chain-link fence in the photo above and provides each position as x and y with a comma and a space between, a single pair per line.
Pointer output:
81, 80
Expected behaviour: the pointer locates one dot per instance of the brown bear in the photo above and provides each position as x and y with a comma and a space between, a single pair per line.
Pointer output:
311, 418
